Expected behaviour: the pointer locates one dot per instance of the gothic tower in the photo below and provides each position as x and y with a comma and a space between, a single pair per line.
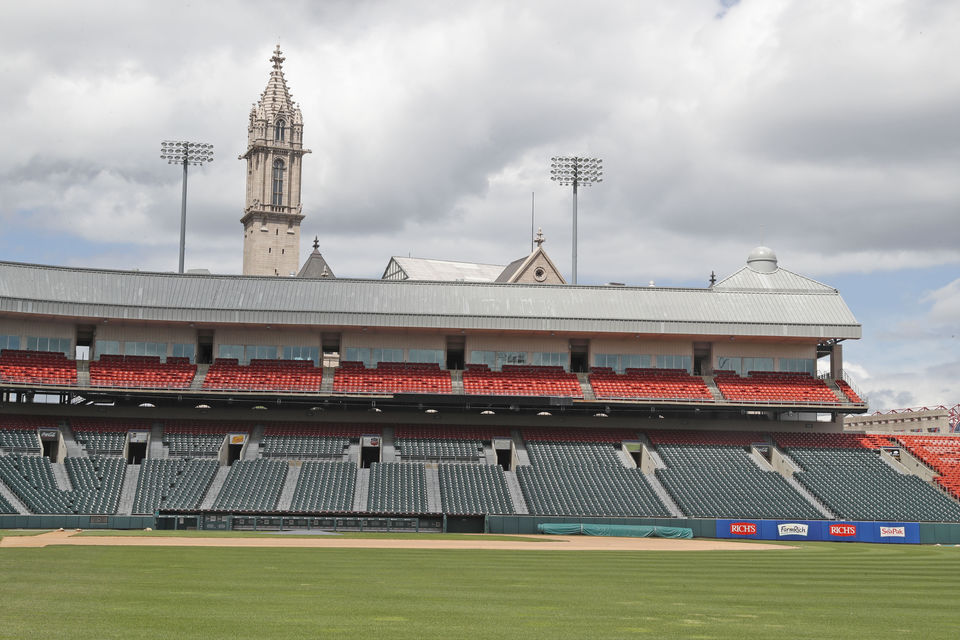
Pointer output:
272, 214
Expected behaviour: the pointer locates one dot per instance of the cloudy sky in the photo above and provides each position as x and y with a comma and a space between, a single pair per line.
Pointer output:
827, 130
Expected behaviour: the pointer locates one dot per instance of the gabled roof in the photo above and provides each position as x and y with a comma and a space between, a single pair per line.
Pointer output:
517, 269
780, 279
443, 270
315, 266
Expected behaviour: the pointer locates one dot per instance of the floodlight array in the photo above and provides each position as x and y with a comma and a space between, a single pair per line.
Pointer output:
183, 152
576, 171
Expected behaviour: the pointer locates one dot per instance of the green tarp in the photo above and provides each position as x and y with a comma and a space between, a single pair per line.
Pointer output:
616, 530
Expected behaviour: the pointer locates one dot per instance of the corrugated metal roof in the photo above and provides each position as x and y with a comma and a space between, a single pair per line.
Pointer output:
778, 280
59, 291
448, 270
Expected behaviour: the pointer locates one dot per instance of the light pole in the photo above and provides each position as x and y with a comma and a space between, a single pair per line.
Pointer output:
577, 172
185, 153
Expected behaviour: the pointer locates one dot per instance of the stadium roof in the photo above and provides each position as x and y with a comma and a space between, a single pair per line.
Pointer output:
226, 299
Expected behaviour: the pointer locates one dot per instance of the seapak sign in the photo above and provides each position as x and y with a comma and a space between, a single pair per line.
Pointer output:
893, 532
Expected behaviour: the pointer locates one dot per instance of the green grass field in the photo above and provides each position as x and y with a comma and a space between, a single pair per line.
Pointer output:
819, 590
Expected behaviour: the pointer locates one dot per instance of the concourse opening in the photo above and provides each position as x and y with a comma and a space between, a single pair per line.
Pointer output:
137, 446
369, 451
235, 442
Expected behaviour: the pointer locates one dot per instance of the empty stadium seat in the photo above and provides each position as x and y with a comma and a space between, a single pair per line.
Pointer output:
325, 486
652, 384
141, 372
392, 377
37, 367
521, 380
775, 387
227, 374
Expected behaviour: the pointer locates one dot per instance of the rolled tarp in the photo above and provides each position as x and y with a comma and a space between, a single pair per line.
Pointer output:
615, 530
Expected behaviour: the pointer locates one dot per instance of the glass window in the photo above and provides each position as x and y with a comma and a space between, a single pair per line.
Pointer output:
280, 130
106, 348
260, 352
9, 342
184, 350
726, 363
278, 182
357, 354
61, 345
145, 349
634, 361
386, 355
675, 362
488, 358
425, 355
302, 353
548, 359
798, 365
757, 364
232, 351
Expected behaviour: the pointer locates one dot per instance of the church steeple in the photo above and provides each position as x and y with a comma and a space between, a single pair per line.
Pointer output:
273, 212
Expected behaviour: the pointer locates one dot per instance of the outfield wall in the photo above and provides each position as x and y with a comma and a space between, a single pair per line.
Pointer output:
875, 532
16, 521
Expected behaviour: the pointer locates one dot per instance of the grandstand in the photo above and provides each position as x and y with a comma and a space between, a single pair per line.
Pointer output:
394, 403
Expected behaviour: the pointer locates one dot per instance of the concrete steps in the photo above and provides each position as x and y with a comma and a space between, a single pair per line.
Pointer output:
83, 373
388, 449
128, 492
664, 495
199, 377
361, 490
456, 382
714, 390
584, 379
289, 485
434, 497
516, 493
157, 448
326, 383
521, 457
214, 489
61, 476
12, 498
252, 449
74, 450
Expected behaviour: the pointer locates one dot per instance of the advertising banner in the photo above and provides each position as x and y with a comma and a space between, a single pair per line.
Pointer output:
818, 530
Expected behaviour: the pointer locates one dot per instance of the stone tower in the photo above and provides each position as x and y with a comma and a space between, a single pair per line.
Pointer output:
272, 214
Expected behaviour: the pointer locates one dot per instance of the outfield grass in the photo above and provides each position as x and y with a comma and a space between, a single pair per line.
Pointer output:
22, 532
261, 534
821, 591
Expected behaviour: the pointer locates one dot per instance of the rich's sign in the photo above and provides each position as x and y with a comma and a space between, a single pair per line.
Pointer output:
743, 528
843, 530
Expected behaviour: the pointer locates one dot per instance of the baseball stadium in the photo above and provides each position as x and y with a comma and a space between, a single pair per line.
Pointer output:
455, 449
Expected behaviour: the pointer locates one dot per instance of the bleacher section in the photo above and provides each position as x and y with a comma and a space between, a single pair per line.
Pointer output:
19, 440
940, 453
197, 438
306, 440
252, 485
721, 481
37, 367
520, 380
391, 377
397, 487
227, 374
96, 484
857, 485
774, 387
584, 478
6, 507
105, 437
146, 372
474, 489
325, 486
172, 484
653, 384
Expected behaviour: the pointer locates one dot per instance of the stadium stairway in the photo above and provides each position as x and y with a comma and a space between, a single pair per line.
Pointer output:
832, 385
456, 382
626, 459
787, 466
516, 493
83, 373
13, 499
434, 499
353, 453
361, 490
61, 477
894, 464
714, 390
388, 448
214, 489
326, 382
489, 455
252, 450
199, 377
289, 485
656, 462
520, 447
74, 450
128, 492
584, 379
157, 448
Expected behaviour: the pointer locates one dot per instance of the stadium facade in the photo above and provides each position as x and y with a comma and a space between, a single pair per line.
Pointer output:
322, 401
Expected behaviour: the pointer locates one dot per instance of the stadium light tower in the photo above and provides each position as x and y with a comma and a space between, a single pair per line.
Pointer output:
577, 172
185, 153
